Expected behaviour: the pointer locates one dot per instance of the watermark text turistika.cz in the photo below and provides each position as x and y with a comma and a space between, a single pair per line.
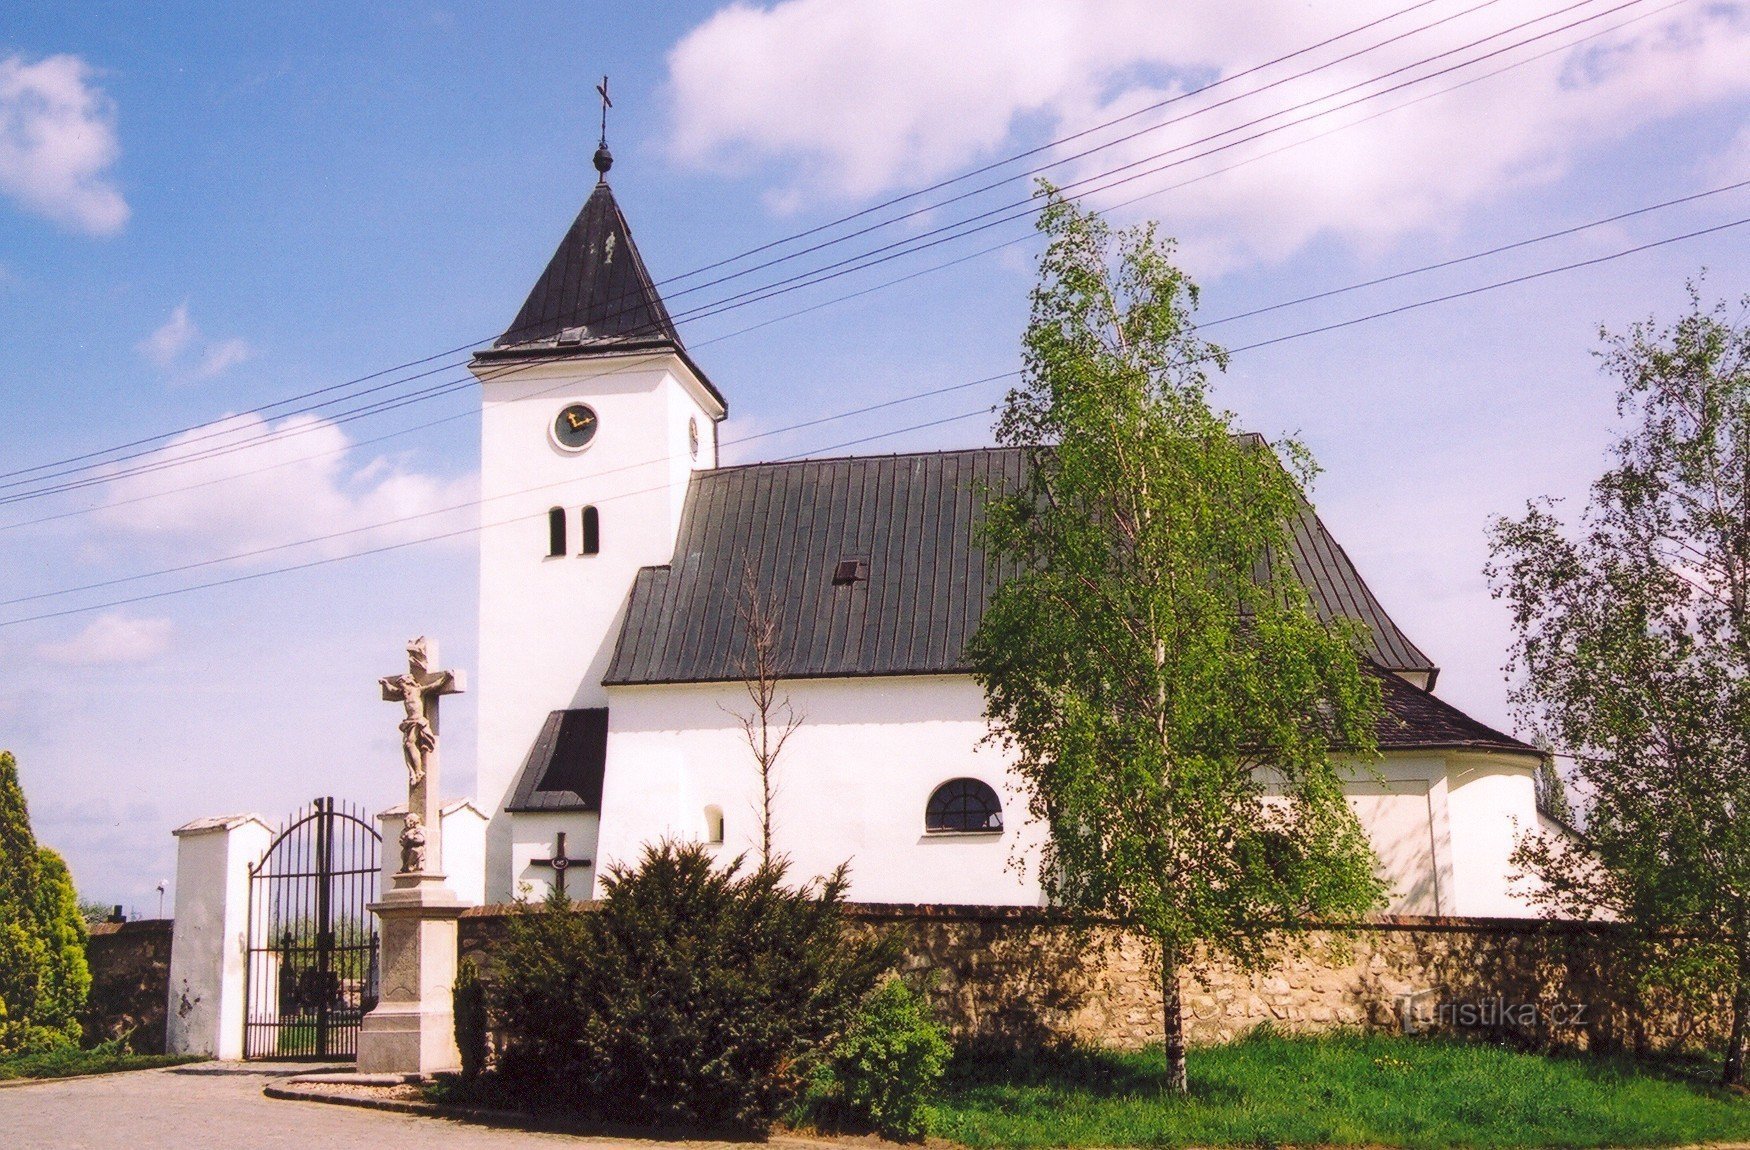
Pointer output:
1422, 1011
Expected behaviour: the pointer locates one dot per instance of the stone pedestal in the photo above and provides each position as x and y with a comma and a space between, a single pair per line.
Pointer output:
412, 1030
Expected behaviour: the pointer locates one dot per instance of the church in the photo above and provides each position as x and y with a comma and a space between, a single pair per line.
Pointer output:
612, 658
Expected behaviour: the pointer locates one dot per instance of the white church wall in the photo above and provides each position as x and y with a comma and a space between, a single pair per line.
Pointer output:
1494, 800
208, 946
547, 625
535, 835
463, 838
854, 779
852, 784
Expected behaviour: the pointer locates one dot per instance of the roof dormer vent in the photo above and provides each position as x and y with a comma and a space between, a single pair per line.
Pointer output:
850, 571
572, 335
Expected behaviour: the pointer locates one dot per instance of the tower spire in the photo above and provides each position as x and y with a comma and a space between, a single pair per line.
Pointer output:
604, 159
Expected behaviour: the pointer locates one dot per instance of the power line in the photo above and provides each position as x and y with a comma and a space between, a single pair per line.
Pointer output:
1511, 281
1021, 209
816, 229
863, 262
1205, 324
766, 292
326, 561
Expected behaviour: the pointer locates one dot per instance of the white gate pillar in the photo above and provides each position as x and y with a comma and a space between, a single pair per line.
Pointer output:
209, 946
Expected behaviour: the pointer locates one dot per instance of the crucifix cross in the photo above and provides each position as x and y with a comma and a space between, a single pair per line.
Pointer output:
559, 862
418, 691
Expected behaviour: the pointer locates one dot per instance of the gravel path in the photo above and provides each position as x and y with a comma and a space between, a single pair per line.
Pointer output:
220, 1104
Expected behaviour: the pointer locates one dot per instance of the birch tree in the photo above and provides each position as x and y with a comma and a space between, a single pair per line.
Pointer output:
1173, 703
1632, 657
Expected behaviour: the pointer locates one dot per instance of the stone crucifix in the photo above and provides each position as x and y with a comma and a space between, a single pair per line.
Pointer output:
418, 691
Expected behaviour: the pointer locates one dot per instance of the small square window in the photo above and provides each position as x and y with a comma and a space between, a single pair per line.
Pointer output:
850, 571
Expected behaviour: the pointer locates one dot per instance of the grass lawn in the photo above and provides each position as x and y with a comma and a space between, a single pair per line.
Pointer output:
98, 1060
1348, 1089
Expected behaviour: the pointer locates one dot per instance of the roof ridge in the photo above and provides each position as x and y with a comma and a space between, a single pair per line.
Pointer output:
988, 450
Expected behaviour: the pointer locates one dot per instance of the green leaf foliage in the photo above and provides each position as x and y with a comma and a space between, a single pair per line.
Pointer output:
692, 994
1174, 704
44, 978
883, 1073
1632, 658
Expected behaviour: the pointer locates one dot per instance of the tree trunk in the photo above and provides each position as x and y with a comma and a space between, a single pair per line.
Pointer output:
1173, 1020
1736, 1048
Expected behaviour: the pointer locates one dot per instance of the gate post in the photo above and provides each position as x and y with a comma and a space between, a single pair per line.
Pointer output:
209, 943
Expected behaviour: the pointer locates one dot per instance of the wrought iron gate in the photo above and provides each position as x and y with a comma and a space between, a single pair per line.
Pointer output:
312, 957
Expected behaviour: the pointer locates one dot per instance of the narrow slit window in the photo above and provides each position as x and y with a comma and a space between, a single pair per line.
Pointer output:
714, 825
555, 532
592, 531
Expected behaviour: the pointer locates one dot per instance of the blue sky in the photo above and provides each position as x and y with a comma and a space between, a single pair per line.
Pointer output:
207, 208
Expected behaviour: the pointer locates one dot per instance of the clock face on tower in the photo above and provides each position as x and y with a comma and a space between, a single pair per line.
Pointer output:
575, 427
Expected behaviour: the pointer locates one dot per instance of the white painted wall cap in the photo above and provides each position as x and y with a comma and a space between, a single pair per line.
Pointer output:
219, 823
399, 810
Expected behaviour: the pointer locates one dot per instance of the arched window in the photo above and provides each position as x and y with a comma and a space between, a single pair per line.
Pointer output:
964, 805
714, 825
592, 531
555, 532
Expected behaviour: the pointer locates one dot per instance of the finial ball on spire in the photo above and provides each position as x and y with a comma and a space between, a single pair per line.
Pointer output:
604, 160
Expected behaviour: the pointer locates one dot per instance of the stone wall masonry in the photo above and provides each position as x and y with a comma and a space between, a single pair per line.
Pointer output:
130, 980
1022, 975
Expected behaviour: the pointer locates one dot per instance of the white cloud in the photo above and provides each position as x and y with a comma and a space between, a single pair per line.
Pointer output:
163, 346
241, 484
850, 99
58, 143
181, 349
221, 357
111, 639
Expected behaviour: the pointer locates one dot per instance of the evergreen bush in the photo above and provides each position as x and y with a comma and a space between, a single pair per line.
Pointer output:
44, 978
692, 995
468, 999
883, 1073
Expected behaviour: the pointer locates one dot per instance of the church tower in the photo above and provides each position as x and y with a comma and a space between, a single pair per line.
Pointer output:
593, 419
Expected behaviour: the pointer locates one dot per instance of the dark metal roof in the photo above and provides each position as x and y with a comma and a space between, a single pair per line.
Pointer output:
913, 518
595, 298
564, 769
1417, 719
595, 281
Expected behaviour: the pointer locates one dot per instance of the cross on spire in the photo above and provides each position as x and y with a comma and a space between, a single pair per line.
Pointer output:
604, 159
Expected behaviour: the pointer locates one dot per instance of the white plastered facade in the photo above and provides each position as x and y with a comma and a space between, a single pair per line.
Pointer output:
547, 624
854, 780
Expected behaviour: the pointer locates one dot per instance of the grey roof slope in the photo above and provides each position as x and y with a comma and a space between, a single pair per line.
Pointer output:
1418, 719
913, 519
597, 281
563, 771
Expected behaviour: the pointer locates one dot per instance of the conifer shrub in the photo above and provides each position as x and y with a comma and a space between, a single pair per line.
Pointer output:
44, 979
691, 995
882, 1074
468, 1001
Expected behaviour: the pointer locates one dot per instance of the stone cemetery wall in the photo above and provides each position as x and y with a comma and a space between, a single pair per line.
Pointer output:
1017, 975
130, 982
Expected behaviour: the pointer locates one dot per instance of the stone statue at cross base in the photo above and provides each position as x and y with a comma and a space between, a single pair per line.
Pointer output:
413, 843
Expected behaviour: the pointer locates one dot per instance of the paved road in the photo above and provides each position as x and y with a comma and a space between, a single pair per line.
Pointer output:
221, 1105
